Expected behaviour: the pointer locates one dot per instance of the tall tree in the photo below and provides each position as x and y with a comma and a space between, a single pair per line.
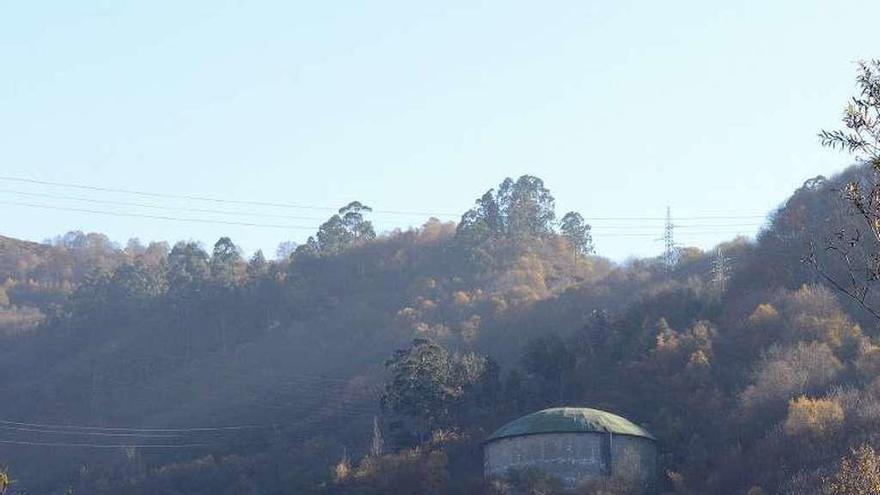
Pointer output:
225, 261
284, 250
187, 265
577, 232
257, 266
528, 206
521, 208
347, 228
422, 384
550, 360
359, 228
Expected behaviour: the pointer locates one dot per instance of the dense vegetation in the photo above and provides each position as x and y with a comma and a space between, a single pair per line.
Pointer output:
365, 363
382, 362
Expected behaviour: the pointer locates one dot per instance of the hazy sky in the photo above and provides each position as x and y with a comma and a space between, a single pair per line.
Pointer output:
621, 107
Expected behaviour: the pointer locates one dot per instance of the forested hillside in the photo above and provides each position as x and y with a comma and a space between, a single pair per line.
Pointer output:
368, 363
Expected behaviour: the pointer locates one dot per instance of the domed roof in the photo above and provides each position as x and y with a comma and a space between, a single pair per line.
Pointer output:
570, 420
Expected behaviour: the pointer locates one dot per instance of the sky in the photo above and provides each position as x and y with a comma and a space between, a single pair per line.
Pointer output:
415, 109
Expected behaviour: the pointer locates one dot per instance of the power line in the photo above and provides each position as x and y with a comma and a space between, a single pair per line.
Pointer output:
90, 433
155, 217
142, 430
702, 217
113, 446
192, 197
157, 207
677, 226
209, 199
277, 226
687, 234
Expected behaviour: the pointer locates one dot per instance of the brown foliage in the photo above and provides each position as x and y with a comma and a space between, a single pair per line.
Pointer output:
812, 416
858, 474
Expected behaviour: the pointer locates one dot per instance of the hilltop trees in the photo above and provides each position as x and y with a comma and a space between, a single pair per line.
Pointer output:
188, 264
521, 208
349, 227
226, 262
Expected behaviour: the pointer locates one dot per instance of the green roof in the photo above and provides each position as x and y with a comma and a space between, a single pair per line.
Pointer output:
570, 420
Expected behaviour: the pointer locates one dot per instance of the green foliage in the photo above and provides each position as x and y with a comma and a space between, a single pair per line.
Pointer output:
342, 231
577, 232
520, 209
861, 118
552, 362
226, 262
188, 264
149, 336
428, 383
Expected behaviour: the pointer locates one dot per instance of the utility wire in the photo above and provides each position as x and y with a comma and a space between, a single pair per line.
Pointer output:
203, 198
114, 446
155, 217
279, 226
158, 207
211, 199
91, 433
677, 226
141, 430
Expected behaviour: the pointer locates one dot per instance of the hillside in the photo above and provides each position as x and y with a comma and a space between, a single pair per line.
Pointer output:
513, 315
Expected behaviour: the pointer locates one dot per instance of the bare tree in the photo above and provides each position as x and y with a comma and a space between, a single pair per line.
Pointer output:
858, 248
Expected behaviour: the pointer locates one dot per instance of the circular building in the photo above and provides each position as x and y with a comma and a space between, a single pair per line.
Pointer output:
574, 445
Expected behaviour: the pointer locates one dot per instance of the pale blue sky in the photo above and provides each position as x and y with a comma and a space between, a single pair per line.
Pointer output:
622, 107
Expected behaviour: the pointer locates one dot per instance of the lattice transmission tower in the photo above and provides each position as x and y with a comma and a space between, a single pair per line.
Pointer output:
720, 270
670, 251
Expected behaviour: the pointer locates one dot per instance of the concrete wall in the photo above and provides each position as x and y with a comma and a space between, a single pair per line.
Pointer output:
634, 458
573, 457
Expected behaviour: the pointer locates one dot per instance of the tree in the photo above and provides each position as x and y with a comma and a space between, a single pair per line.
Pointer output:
577, 232
359, 228
5, 481
528, 206
134, 248
861, 254
861, 118
422, 384
346, 229
284, 250
521, 208
858, 474
812, 416
257, 266
430, 385
134, 283
549, 359
187, 265
482, 222
225, 261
